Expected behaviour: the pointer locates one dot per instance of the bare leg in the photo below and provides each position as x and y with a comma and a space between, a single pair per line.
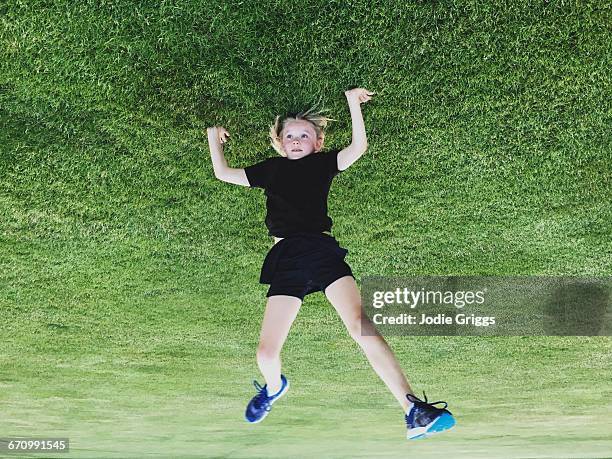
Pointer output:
281, 311
344, 296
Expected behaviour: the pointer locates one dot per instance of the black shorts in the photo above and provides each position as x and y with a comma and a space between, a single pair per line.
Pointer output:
302, 264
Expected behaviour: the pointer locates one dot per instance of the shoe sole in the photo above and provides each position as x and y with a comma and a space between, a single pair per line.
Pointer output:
283, 392
445, 422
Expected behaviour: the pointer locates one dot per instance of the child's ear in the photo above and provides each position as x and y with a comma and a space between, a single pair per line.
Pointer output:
319, 143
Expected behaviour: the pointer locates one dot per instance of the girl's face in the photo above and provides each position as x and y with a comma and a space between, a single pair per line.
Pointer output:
299, 139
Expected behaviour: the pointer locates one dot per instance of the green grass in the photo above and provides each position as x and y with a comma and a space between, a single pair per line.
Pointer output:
129, 303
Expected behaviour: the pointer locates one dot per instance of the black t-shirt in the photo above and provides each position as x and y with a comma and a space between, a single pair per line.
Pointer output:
296, 191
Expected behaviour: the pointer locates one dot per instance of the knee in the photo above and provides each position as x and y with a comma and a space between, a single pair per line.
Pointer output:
267, 353
353, 326
360, 327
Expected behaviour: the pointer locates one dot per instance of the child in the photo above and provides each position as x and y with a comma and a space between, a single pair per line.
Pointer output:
306, 258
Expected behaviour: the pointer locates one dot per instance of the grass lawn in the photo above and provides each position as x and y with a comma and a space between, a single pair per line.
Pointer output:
129, 302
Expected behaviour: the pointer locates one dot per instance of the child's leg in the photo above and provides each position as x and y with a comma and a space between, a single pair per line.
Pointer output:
281, 311
344, 296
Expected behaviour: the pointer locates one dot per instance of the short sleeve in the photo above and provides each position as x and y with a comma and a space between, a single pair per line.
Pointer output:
332, 157
259, 174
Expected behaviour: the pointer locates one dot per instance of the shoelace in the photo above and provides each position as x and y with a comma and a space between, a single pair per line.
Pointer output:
429, 405
262, 397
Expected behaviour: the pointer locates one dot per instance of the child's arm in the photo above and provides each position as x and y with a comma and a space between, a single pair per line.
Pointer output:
216, 139
359, 143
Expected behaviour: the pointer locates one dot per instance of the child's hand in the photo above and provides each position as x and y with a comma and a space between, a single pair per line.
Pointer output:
217, 133
359, 95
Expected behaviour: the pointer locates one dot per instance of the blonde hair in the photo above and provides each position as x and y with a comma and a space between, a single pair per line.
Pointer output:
315, 117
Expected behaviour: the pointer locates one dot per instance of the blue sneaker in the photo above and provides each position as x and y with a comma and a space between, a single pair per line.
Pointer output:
425, 419
260, 405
